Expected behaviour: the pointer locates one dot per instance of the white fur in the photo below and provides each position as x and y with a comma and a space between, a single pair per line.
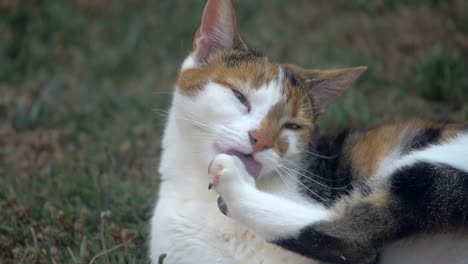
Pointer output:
189, 63
187, 224
452, 152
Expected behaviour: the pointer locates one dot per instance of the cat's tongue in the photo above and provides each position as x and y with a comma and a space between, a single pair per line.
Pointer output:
253, 167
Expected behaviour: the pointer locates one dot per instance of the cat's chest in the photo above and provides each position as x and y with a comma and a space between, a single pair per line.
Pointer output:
203, 228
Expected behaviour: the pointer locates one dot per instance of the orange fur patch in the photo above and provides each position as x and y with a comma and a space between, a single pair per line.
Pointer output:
376, 144
378, 199
291, 109
379, 142
245, 75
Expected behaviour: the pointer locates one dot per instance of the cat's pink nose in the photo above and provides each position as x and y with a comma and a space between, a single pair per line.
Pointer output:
259, 142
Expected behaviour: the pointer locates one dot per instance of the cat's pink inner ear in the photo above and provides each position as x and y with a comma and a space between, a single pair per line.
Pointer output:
332, 83
218, 29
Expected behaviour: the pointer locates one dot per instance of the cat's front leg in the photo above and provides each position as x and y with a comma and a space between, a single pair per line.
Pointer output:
308, 229
273, 217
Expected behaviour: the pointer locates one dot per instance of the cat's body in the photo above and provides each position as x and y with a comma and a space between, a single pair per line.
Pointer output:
289, 193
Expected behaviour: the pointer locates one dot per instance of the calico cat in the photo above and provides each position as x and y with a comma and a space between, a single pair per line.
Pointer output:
246, 127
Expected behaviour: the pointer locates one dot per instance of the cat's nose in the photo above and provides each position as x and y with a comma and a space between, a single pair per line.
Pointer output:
259, 142
253, 140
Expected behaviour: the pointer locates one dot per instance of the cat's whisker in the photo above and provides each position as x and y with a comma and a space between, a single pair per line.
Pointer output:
161, 112
299, 168
196, 123
287, 162
307, 188
303, 185
309, 172
315, 175
193, 119
201, 125
318, 155
303, 175
282, 179
291, 171
314, 180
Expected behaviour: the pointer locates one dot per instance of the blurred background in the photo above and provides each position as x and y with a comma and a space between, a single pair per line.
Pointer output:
81, 82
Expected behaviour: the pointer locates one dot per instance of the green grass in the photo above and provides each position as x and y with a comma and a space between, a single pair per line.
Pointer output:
441, 76
79, 80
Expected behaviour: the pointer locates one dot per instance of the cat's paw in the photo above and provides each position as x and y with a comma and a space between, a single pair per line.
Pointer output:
228, 176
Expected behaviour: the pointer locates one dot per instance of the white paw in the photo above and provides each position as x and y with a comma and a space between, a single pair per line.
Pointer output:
227, 173
229, 178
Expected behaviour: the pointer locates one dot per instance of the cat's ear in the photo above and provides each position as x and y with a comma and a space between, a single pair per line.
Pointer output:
218, 30
327, 85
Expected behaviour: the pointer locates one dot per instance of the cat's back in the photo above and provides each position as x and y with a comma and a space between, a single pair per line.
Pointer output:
382, 148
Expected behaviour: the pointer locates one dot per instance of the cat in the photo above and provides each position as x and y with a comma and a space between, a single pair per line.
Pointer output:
246, 128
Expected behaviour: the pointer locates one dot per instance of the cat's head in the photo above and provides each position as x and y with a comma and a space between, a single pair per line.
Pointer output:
238, 102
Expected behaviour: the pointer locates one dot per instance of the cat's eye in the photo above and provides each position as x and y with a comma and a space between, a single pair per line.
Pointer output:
241, 98
292, 126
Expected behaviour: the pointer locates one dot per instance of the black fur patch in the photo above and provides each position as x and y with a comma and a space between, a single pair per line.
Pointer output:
429, 197
328, 175
377, 259
292, 77
312, 243
237, 58
423, 139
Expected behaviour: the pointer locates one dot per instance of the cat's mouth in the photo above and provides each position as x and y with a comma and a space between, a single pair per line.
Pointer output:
253, 167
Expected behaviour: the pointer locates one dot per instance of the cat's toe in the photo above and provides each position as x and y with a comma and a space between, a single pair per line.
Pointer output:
216, 168
225, 175
220, 162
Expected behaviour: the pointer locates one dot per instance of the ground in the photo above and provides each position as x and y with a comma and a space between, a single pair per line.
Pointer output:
82, 83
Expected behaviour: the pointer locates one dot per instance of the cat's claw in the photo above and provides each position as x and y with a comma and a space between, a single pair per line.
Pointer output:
222, 206
209, 166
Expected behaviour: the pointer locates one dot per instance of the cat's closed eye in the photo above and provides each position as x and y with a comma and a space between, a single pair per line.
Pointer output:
242, 99
292, 126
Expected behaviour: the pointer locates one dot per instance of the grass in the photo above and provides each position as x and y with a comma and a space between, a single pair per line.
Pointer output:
79, 80
441, 76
